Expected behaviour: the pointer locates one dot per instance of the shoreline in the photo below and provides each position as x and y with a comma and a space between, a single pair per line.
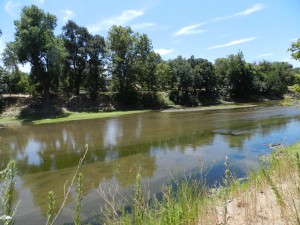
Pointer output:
70, 116
212, 107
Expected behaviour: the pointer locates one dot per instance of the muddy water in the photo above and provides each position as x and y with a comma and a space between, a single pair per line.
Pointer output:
153, 143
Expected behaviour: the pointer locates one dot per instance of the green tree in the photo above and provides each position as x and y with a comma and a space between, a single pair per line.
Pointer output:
3, 85
274, 77
122, 55
34, 39
164, 75
240, 76
96, 53
295, 49
183, 82
76, 40
221, 67
204, 76
146, 63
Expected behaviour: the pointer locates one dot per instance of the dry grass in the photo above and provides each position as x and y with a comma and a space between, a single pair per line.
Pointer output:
271, 196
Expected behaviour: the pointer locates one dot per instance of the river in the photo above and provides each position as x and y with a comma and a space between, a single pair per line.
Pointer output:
157, 144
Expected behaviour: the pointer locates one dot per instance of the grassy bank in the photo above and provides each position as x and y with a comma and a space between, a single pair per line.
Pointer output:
270, 195
70, 116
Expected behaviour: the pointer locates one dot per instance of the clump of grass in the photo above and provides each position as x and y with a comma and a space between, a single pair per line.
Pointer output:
179, 202
7, 189
51, 207
78, 205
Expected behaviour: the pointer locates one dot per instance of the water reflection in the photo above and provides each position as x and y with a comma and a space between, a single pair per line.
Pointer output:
113, 131
152, 143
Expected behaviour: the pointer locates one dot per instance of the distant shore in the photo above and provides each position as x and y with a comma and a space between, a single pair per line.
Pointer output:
211, 107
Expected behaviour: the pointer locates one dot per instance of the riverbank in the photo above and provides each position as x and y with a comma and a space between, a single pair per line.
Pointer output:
70, 116
269, 195
25, 109
211, 107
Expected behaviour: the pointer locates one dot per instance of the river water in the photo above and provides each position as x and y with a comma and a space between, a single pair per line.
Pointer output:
157, 144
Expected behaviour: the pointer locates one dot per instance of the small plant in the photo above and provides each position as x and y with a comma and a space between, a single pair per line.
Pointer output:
8, 179
51, 207
78, 206
227, 183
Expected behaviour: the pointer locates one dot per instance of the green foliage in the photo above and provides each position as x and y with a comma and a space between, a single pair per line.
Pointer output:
121, 45
194, 80
80, 179
274, 77
34, 41
96, 50
51, 208
295, 49
7, 189
79, 61
132, 63
235, 76
76, 40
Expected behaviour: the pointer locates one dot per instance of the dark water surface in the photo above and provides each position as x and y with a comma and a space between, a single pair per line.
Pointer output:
154, 143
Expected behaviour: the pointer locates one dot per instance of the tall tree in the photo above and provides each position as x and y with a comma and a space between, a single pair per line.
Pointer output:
122, 56
96, 50
34, 39
76, 39
146, 63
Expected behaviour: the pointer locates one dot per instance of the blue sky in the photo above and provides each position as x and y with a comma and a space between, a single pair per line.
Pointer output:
206, 29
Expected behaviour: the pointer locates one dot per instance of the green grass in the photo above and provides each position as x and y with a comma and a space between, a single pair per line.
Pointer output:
194, 203
72, 116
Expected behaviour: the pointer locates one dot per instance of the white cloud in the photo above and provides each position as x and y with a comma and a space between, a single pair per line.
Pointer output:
265, 55
236, 42
122, 19
142, 25
12, 8
293, 39
163, 51
191, 29
67, 15
253, 9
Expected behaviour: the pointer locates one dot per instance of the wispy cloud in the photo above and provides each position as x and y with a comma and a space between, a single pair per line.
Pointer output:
163, 51
293, 39
40, 2
190, 29
144, 25
67, 15
236, 42
122, 19
253, 9
265, 55
12, 8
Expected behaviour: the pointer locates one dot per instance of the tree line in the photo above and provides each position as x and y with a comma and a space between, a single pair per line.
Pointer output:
126, 64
